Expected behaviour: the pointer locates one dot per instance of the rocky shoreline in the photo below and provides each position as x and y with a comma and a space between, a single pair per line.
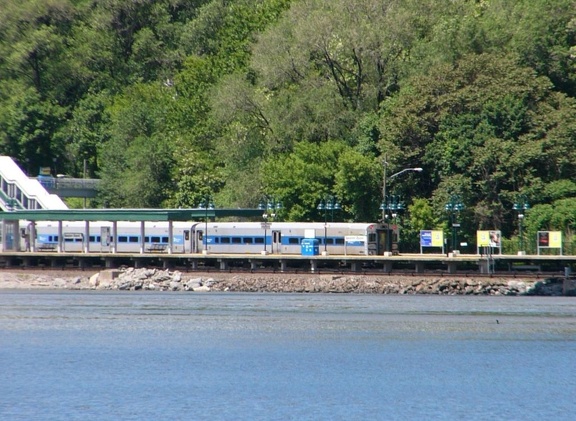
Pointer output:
130, 279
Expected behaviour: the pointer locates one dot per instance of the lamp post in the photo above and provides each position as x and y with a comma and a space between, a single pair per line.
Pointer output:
392, 204
454, 206
206, 204
271, 207
521, 205
385, 206
329, 203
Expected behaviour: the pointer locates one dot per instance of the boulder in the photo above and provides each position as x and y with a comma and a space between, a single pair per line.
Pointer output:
94, 280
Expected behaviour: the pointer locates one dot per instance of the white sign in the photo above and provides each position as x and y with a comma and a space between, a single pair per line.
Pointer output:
309, 233
355, 239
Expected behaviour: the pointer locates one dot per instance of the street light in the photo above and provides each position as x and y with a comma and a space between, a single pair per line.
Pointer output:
520, 206
329, 203
385, 203
454, 206
271, 207
206, 204
392, 204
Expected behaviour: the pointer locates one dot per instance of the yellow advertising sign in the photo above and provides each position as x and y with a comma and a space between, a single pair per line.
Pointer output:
488, 238
550, 239
483, 238
437, 238
555, 239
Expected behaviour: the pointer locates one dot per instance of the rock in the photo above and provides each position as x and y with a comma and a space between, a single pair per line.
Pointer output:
94, 280
194, 283
104, 285
59, 283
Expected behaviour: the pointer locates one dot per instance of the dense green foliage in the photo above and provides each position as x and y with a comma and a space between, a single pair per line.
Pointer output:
171, 100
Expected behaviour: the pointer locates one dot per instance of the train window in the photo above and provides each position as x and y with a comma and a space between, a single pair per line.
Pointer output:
92, 239
329, 241
216, 240
186, 235
133, 239
293, 240
154, 239
340, 241
146, 239
236, 240
122, 239
259, 240
248, 240
165, 239
372, 238
225, 240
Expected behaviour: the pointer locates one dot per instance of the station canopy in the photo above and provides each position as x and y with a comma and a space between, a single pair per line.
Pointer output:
192, 214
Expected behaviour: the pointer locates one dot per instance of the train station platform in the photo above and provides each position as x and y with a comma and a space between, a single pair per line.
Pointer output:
440, 265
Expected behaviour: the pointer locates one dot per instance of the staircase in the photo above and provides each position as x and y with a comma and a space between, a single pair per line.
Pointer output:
17, 191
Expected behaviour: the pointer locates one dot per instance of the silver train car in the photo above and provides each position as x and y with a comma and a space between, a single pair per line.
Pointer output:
336, 238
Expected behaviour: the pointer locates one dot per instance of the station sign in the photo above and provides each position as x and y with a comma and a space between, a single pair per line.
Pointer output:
355, 240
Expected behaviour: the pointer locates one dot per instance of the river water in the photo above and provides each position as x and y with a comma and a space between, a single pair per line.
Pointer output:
231, 356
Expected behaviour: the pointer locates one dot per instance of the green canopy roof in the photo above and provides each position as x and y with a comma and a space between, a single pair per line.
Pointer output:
127, 214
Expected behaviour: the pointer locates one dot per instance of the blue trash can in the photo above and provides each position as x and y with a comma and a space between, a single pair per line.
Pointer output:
310, 247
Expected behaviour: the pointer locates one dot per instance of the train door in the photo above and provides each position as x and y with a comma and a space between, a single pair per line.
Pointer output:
383, 237
276, 242
199, 241
194, 239
186, 242
105, 239
10, 236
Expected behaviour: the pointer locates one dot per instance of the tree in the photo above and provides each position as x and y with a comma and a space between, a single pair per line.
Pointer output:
489, 125
137, 161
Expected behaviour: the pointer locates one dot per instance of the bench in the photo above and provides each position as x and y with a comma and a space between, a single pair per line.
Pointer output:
537, 268
157, 247
46, 247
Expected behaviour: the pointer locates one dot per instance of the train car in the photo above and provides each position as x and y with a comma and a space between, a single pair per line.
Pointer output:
336, 238
128, 238
286, 237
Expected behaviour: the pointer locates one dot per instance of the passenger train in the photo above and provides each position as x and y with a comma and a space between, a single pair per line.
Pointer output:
213, 237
